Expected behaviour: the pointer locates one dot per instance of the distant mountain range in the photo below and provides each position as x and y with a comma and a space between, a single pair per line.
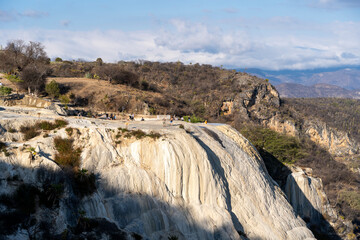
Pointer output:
294, 90
345, 77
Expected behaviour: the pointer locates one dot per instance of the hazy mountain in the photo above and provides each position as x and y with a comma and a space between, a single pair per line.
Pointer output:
345, 77
294, 90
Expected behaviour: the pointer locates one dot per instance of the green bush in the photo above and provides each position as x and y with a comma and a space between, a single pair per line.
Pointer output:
53, 89
285, 148
67, 155
58, 59
193, 119
60, 123
5, 90
64, 100
46, 125
12, 78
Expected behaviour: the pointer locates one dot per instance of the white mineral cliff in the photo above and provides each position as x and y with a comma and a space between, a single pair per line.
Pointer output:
205, 182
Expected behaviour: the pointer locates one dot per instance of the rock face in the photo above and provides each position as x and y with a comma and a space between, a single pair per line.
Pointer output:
306, 195
205, 182
257, 102
338, 143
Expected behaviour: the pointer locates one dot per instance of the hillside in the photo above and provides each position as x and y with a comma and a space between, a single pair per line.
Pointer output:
173, 88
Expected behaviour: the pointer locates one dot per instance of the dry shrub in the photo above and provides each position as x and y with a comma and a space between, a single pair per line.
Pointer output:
67, 155
29, 132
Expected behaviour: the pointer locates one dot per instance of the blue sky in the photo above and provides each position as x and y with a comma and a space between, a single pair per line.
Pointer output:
277, 34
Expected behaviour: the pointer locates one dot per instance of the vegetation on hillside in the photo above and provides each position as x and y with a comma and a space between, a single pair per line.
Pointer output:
172, 88
341, 114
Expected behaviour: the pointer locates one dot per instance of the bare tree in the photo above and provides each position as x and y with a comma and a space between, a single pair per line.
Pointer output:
27, 61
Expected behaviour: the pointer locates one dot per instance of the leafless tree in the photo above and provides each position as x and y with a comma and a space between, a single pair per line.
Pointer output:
27, 61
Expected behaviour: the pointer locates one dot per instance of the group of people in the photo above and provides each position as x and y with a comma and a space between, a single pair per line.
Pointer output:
110, 117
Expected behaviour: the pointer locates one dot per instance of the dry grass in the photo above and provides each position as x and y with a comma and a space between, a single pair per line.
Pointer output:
67, 155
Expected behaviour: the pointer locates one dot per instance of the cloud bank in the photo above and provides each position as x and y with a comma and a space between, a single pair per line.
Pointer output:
278, 43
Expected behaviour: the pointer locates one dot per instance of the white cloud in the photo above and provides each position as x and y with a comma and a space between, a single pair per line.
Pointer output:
274, 44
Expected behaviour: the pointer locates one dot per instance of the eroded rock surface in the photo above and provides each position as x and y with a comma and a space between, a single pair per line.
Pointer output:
201, 182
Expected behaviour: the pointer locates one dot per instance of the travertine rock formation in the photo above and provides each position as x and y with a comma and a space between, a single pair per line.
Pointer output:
201, 182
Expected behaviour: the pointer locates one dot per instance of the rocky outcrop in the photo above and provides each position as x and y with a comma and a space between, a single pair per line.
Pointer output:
306, 194
257, 101
282, 126
337, 142
205, 182
27, 100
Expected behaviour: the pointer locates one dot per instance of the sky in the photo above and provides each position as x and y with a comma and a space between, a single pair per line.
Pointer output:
266, 34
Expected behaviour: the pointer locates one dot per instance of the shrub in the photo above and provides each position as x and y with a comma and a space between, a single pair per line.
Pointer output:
154, 135
58, 59
60, 123
24, 198
29, 132
193, 119
352, 198
5, 90
138, 134
144, 85
12, 78
67, 156
46, 125
51, 195
69, 131
99, 61
64, 100
123, 130
285, 148
52, 89
88, 75
84, 182
12, 130
2, 146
